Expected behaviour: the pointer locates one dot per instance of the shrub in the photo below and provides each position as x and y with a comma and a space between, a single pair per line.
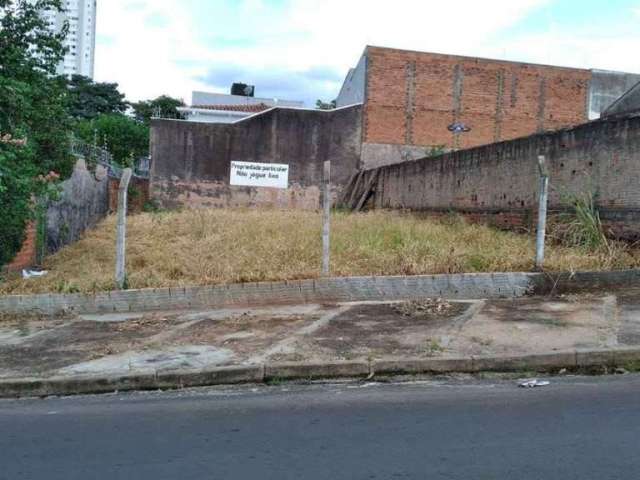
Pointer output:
582, 226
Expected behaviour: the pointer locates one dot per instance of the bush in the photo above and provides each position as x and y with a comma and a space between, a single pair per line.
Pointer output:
582, 226
15, 196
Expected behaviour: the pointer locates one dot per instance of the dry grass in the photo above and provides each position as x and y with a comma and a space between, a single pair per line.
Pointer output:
196, 247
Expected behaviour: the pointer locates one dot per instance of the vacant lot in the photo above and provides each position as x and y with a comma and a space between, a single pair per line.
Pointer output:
195, 247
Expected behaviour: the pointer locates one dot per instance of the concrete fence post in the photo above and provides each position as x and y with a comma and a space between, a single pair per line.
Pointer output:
121, 232
326, 218
542, 211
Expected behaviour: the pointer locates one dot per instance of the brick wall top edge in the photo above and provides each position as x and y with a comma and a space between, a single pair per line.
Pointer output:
444, 56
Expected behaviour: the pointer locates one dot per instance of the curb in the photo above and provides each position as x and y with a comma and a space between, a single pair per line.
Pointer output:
344, 289
232, 375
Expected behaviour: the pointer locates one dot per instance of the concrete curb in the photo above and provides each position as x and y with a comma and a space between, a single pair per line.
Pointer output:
172, 380
459, 286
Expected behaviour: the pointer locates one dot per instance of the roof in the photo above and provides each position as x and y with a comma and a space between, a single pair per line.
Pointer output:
261, 107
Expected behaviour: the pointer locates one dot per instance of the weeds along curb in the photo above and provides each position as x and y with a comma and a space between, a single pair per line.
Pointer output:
458, 286
277, 372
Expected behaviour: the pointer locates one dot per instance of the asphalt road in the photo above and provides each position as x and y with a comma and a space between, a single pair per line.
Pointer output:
577, 428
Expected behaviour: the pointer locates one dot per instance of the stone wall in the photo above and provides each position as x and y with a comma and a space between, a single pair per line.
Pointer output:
191, 161
499, 182
83, 202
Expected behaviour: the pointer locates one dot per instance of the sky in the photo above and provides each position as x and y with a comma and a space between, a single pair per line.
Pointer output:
303, 49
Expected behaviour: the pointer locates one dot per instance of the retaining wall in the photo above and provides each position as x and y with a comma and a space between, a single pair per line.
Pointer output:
460, 286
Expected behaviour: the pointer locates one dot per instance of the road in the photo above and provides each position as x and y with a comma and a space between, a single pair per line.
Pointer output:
577, 428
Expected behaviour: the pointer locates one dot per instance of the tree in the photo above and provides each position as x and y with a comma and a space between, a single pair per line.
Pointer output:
27, 47
126, 138
88, 99
320, 105
163, 106
34, 122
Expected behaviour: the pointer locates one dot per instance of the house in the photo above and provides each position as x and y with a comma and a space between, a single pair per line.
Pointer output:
223, 108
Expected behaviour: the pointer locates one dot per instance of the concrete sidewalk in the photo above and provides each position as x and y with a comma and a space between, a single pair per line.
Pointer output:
353, 337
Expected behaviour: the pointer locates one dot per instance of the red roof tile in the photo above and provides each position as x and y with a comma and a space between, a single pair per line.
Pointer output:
251, 108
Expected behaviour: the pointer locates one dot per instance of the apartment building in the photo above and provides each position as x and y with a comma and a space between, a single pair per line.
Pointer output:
81, 40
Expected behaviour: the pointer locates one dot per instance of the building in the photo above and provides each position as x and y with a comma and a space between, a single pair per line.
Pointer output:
221, 113
81, 40
397, 106
415, 101
205, 98
223, 108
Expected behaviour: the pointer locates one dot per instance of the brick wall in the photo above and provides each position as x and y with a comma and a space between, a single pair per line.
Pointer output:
139, 194
500, 181
26, 257
412, 97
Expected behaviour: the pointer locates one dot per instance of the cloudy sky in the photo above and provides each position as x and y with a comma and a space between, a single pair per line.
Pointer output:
302, 49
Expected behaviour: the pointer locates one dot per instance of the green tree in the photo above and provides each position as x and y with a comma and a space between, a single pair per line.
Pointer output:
124, 137
88, 99
16, 173
34, 121
163, 106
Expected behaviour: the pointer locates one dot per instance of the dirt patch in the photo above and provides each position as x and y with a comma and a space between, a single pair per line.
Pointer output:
376, 331
244, 334
42, 346
556, 314
531, 325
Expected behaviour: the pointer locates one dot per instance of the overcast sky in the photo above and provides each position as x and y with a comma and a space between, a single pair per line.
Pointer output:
302, 49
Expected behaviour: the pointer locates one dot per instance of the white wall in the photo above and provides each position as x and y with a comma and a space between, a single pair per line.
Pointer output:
353, 89
204, 98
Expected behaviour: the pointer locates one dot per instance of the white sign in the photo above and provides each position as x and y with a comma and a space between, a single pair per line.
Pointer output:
249, 174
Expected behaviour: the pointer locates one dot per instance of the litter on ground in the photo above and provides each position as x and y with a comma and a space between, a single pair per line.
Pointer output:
534, 383
33, 273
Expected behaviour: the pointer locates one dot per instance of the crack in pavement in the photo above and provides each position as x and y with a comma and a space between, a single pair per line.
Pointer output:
460, 321
285, 345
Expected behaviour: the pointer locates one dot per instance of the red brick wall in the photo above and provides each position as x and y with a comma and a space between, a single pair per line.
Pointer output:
412, 97
26, 257
138, 194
